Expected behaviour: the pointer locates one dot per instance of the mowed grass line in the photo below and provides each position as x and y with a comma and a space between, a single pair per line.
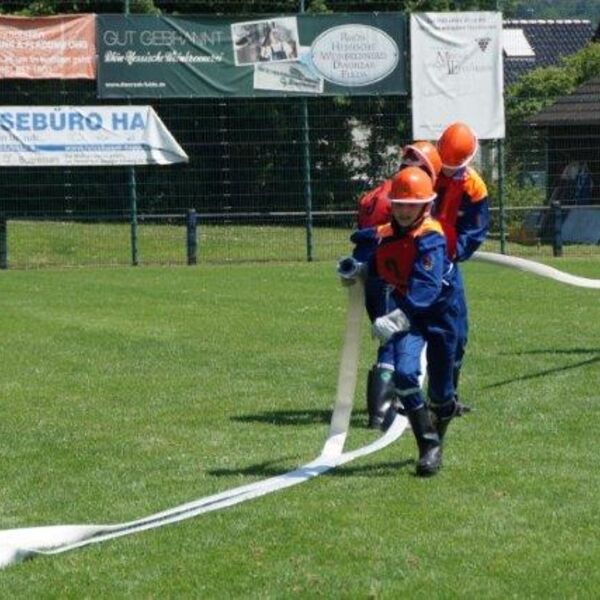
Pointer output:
126, 391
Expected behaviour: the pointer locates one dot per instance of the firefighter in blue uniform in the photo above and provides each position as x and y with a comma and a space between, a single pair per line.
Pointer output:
462, 207
422, 308
375, 209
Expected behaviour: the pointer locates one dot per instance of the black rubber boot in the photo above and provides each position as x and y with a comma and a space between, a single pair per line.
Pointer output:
441, 426
428, 441
441, 422
380, 393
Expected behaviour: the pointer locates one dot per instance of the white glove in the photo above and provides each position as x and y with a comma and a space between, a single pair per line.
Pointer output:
388, 325
349, 270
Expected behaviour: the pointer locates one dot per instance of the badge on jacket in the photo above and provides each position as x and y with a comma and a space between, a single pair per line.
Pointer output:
427, 262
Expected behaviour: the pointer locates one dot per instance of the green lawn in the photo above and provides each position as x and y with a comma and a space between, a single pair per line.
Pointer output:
41, 244
128, 391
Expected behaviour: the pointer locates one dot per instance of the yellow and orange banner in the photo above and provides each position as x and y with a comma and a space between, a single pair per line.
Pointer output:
62, 47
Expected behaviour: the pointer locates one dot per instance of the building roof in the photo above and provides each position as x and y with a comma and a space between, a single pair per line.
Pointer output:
581, 107
533, 43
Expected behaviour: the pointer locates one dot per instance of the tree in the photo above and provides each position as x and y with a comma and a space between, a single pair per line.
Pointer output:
37, 8
541, 87
533, 92
556, 9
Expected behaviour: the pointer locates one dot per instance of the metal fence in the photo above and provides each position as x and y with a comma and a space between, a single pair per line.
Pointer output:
181, 238
276, 179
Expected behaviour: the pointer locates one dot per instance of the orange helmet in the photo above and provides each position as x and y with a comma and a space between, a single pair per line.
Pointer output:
411, 186
457, 145
423, 154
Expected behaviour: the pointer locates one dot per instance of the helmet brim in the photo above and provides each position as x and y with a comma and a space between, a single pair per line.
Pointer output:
412, 200
422, 161
464, 163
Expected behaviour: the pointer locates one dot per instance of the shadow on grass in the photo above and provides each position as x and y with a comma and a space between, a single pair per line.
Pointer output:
557, 351
269, 469
553, 370
299, 417
307, 417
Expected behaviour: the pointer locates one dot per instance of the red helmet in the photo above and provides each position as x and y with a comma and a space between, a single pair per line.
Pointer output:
457, 145
423, 154
411, 186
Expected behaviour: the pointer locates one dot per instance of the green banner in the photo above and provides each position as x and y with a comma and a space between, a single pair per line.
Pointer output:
205, 57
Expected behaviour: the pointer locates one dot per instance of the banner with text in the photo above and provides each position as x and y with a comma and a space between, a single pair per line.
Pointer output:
457, 72
85, 135
189, 57
48, 47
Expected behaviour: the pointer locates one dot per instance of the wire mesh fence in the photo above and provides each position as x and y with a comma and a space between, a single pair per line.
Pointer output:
275, 178
170, 239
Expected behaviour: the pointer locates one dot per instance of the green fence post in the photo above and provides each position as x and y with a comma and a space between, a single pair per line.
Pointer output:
133, 216
192, 240
132, 194
3, 244
307, 179
557, 245
501, 197
307, 183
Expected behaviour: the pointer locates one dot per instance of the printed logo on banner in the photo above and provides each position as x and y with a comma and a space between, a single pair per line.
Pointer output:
455, 62
354, 55
483, 43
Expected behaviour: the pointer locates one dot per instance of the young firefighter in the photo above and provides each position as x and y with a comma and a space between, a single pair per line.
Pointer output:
462, 207
375, 209
411, 257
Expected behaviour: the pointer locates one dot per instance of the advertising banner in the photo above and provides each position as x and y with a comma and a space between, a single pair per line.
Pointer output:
38, 136
48, 47
190, 57
457, 72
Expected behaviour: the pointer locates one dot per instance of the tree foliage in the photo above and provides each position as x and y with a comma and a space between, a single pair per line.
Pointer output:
541, 87
556, 9
53, 7
38, 8
538, 89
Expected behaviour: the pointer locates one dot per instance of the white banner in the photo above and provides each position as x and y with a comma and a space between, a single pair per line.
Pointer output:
35, 136
456, 65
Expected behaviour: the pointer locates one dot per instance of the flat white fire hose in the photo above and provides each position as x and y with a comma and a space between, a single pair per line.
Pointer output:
536, 268
19, 544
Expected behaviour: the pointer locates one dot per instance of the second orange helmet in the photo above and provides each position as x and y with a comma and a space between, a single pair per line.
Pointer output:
423, 154
457, 145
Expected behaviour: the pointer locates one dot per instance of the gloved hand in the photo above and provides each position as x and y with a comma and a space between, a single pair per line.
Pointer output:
388, 325
349, 270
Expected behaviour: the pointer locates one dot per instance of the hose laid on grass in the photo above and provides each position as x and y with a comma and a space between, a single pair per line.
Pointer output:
536, 268
20, 544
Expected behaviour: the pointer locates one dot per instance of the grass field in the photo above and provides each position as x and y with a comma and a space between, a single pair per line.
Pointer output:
127, 391
41, 244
